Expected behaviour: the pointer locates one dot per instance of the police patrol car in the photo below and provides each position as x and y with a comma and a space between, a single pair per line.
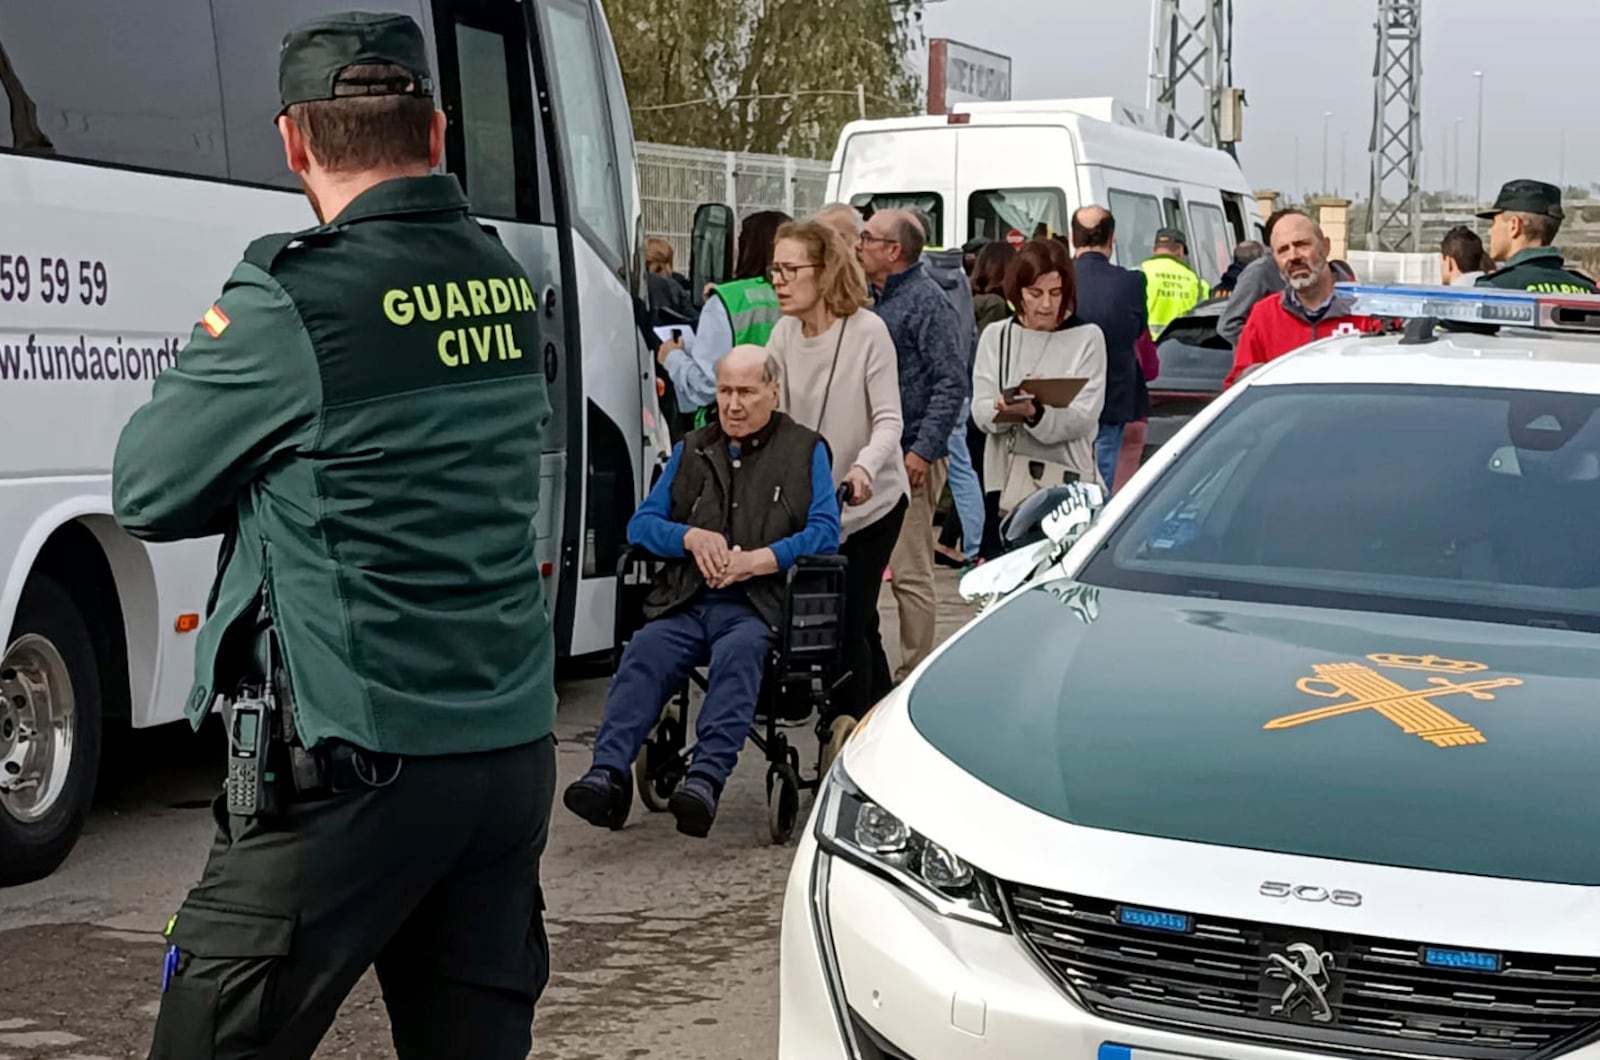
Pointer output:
1291, 754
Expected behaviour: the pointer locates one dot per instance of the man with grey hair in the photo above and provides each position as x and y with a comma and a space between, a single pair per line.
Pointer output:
740, 500
1310, 307
931, 347
841, 216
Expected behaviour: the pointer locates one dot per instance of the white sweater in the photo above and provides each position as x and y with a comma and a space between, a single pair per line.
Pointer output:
1066, 435
861, 421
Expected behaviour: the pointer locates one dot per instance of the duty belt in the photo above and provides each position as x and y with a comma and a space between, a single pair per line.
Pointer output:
338, 767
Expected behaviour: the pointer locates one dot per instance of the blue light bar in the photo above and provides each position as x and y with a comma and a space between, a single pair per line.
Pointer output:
1461, 960
1153, 919
1476, 305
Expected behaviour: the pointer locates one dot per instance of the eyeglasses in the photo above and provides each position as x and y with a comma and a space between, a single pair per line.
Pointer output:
868, 237
787, 271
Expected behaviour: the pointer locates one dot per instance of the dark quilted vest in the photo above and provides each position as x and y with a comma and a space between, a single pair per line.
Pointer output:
760, 498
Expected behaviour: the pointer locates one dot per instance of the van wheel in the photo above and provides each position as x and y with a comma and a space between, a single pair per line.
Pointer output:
49, 732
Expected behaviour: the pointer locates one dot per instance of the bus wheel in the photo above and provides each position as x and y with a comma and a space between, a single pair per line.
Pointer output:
49, 732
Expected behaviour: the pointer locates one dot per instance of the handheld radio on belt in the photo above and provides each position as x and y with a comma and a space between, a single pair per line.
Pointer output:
250, 788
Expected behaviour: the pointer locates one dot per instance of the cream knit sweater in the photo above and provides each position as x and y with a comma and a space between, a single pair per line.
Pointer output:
1066, 436
861, 419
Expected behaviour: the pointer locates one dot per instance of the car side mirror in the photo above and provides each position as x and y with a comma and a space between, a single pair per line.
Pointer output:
710, 248
1058, 513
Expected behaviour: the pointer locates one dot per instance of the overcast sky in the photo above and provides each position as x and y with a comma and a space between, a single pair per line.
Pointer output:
1540, 71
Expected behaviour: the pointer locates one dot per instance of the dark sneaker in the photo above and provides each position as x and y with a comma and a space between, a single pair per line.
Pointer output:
694, 804
601, 797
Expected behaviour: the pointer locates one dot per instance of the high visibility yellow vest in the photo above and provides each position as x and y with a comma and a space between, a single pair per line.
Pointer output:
1171, 290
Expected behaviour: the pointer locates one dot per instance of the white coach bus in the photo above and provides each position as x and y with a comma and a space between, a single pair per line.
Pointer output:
138, 158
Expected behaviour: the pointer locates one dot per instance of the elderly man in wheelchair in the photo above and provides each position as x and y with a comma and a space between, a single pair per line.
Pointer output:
739, 502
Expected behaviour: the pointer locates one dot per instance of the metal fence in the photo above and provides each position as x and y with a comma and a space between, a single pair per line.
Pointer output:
675, 180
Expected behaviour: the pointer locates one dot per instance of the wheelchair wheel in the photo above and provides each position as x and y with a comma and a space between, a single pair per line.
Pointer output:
783, 802
838, 733
659, 768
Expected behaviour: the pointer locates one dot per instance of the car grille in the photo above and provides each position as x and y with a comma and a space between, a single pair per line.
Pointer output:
1213, 975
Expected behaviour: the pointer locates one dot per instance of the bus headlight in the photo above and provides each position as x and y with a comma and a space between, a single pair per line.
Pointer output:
853, 827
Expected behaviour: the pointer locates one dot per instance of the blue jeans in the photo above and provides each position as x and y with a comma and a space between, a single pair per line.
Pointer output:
966, 493
1107, 447
719, 629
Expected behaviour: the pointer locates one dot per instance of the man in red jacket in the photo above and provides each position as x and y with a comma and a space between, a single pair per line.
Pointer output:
1309, 309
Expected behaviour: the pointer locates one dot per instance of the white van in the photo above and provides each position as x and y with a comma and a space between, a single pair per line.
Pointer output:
1016, 170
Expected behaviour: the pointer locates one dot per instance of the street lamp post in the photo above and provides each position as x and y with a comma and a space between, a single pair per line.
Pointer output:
1478, 195
1455, 185
1326, 115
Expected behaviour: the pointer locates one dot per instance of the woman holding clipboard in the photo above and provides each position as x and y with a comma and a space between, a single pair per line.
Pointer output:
1038, 385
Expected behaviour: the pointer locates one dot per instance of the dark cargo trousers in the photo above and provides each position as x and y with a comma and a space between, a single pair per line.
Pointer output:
434, 879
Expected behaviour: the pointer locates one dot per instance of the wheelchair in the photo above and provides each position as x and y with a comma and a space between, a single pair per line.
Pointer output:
803, 670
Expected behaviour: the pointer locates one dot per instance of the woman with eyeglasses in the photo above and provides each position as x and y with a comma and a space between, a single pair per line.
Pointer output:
840, 378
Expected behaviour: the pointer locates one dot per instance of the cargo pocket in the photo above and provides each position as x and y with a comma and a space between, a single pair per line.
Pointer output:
220, 999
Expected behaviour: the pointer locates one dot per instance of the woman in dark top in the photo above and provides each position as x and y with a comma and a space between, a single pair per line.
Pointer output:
988, 305
988, 285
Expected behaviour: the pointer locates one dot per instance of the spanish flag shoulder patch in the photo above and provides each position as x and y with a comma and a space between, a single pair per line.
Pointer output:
215, 321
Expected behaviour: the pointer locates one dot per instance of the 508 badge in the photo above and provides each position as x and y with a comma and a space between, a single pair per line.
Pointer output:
1307, 892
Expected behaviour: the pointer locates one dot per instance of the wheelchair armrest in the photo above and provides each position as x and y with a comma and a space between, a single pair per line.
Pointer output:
825, 561
633, 555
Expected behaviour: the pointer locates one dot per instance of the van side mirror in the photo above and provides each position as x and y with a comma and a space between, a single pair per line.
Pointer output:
710, 248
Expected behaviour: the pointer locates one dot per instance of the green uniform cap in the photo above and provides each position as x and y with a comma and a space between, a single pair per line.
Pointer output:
1528, 196
315, 53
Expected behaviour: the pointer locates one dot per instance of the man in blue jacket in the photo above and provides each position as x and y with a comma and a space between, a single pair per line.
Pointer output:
1114, 298
739, 501
931, 347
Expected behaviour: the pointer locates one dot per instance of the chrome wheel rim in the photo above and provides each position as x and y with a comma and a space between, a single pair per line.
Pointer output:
37, 715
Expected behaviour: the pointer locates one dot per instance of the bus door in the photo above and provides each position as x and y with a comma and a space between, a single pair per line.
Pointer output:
495, 145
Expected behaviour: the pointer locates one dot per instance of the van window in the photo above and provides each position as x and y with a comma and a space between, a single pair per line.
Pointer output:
132, 83
1138, 220
1211, 245
930, 203
491, 164
1233, 206
1173, 208
1038, 213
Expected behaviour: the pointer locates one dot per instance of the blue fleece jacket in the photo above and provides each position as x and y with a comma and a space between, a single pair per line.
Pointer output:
652, 528
930, 349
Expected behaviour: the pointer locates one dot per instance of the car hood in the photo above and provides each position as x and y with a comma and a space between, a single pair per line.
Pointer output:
1390, 739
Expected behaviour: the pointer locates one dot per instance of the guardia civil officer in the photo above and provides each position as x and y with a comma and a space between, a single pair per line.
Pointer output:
1522, 226
360, 414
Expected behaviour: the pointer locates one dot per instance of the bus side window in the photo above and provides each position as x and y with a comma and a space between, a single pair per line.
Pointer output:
585, 127
248, 35
129, 84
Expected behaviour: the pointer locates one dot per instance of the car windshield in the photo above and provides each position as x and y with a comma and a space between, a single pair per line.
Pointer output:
1454, 502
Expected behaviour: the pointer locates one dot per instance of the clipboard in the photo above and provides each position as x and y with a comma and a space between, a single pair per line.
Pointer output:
1052, 393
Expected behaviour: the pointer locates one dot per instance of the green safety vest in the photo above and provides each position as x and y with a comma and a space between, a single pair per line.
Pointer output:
753, 309
1171, 290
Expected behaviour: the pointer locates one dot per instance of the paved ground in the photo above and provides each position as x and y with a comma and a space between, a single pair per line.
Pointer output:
662, 946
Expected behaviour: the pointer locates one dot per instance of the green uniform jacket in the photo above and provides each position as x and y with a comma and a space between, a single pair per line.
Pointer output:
362, 414
1538, 269
1172, 289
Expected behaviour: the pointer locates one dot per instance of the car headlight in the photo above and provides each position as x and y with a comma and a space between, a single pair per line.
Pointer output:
853, 827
